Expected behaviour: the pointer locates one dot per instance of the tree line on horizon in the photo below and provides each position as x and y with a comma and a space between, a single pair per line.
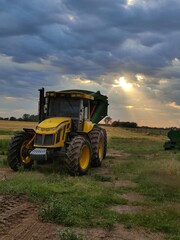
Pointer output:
26, 118
107, 120
126, 124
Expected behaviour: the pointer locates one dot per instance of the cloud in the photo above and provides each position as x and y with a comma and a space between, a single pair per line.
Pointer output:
53, 43
173, 105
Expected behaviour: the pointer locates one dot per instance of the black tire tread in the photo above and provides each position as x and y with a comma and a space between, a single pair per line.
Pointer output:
94, 135
13, 157
73, 154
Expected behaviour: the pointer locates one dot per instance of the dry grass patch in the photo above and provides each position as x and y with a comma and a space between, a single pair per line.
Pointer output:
124, 133
132, 197
125, 183
169, 165
16, 125
126, 209
2, 137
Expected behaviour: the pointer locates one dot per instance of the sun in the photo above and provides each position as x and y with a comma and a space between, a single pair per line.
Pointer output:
123, 84
130, 2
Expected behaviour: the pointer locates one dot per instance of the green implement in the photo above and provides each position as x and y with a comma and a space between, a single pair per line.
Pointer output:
174, 139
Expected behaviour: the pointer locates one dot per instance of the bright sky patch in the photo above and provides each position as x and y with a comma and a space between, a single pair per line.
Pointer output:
126, 86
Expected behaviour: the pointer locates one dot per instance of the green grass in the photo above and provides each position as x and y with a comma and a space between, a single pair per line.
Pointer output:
69, 234
86, 201
7, 132
103, 178
158, 176
70, 201
136, 145
159, 187
3, 146
163, 219
3, 161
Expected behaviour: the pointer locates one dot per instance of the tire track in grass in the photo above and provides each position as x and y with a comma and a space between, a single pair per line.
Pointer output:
19, 220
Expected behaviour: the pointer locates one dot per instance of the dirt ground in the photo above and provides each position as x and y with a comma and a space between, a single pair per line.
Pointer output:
19, 221
19, 217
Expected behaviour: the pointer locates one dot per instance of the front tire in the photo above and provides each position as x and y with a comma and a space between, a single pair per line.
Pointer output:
18, 151
78, 156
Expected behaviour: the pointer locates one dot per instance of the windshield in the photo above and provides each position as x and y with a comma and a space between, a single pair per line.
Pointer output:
63, 107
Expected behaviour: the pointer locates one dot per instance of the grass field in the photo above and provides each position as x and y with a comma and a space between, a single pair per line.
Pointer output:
15, 125
138, 186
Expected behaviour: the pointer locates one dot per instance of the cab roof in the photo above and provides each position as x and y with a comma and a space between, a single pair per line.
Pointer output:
71, 94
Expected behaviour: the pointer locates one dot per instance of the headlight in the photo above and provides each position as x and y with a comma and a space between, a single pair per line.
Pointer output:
51, 129
46, 129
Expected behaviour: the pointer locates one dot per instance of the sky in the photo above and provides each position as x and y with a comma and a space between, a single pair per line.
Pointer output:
127, 49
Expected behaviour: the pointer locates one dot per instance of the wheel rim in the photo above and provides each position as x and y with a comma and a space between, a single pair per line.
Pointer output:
25, 159
85, 157
101, 146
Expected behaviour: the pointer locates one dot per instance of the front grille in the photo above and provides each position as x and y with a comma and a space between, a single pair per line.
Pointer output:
44, 139
38, 139
49, 139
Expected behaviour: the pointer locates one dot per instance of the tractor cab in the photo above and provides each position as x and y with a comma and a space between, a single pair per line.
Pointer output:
72, 105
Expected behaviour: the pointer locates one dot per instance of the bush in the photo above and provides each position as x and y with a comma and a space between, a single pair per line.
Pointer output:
124, 124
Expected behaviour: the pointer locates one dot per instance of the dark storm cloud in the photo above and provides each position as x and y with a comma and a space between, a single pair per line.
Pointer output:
23, 49
27, 17
88, 38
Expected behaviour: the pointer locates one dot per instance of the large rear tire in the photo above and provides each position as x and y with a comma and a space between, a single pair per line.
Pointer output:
18, 151
98, 146
78, 156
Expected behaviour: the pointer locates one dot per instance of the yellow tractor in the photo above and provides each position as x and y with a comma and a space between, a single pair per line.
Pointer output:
67, 130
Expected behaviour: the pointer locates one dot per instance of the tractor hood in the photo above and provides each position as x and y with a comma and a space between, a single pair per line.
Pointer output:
52, 124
